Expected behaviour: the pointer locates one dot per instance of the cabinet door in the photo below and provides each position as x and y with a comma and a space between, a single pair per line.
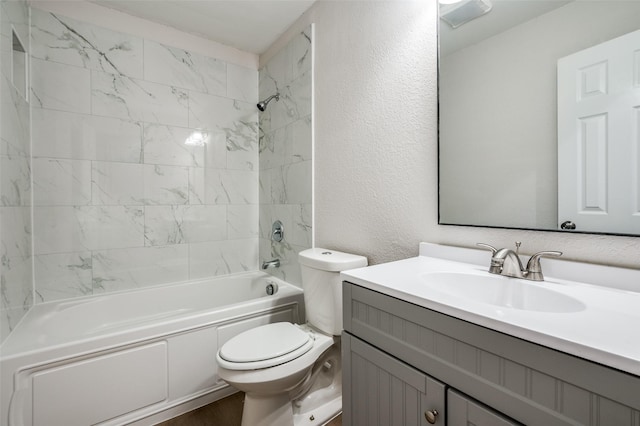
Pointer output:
463, 411
379, 390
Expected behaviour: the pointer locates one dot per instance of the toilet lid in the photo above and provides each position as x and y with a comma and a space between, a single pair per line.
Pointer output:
280, 342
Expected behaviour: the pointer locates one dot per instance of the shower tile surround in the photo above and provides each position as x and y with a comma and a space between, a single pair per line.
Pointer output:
115, 198
119, 200
15, 170
285, 155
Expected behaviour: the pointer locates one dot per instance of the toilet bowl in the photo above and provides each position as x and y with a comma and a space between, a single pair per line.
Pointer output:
277, 374
291, 373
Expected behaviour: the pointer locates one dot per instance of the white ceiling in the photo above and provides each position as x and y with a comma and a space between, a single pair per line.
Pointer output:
247, 25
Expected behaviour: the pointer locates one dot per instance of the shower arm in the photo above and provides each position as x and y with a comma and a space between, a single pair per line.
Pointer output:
262, 106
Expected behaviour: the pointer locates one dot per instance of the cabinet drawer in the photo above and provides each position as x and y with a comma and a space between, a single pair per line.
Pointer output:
379, 390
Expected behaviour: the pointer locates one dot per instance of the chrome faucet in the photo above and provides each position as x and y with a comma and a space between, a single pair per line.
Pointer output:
507, 262
274, 263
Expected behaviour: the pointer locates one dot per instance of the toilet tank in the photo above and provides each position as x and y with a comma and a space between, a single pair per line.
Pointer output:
322, 285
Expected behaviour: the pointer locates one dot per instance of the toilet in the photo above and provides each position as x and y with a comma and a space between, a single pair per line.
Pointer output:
292, 373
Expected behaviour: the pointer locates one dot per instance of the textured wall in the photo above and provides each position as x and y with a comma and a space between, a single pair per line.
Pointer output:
376, 179
372, 94
16, 283
119, 200
285, 155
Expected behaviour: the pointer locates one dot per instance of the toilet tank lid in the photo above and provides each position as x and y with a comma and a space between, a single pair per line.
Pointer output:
330, 260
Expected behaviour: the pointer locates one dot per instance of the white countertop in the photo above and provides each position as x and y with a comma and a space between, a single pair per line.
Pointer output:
606, 331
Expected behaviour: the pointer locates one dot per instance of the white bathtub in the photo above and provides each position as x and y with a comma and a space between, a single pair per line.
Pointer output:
136, 357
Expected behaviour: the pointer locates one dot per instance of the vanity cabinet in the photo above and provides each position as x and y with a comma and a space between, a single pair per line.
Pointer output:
403, 362
383, 391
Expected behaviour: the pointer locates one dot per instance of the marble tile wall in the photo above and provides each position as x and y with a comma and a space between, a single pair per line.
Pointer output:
119, 200
285, 155
16, 283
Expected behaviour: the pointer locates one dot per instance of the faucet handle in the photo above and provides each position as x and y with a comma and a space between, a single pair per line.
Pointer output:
488, 247
534, 269
496, 264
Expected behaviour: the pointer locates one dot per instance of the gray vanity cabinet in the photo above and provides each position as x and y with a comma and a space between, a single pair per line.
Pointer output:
401, 361
381, 390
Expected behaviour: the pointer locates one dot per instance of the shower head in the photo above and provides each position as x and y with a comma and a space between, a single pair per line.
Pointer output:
263, 105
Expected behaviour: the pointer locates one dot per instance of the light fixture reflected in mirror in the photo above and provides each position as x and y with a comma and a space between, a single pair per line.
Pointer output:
197, 138
459, 12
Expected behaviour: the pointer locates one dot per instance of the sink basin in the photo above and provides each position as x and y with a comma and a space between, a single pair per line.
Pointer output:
502, 291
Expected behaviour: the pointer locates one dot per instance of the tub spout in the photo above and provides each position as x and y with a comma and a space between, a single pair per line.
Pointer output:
275, 263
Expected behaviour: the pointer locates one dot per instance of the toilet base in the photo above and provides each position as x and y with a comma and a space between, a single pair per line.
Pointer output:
319, 415
323, 401
278, 411
319, 404
272, 410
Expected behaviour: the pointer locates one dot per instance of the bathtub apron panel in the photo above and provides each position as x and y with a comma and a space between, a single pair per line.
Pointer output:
102, 388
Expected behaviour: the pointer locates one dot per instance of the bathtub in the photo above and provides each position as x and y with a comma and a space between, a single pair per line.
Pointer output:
136, 357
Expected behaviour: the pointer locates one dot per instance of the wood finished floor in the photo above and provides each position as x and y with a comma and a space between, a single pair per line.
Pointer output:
226, 412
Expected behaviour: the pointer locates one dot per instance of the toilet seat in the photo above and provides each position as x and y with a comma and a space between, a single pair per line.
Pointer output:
265, 346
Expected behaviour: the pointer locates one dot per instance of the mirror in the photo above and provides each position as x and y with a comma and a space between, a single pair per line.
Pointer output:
522, 133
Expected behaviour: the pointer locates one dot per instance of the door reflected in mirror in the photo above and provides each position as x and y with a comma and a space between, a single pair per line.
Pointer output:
523, 145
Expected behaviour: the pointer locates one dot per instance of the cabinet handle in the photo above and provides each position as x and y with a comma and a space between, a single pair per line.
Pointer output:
431, 416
